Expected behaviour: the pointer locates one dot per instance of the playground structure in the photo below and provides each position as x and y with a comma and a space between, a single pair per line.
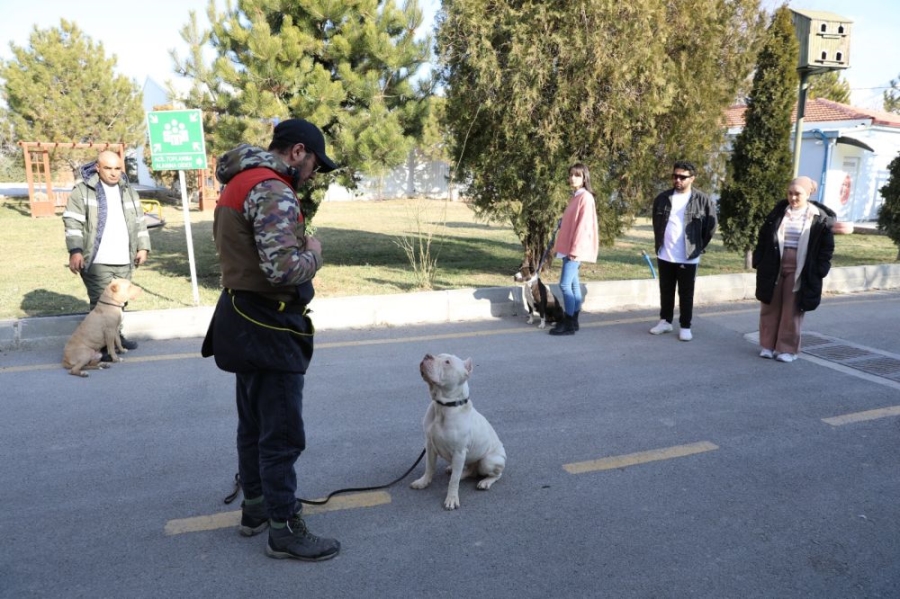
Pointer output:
46, 203
37, 166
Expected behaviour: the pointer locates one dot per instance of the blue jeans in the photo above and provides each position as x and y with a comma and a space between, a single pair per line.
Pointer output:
270, 438
570, 286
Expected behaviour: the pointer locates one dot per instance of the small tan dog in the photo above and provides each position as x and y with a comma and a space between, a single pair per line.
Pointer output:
98, 329
455, 430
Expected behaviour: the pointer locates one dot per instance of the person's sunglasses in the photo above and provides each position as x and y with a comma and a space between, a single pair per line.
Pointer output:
681, 177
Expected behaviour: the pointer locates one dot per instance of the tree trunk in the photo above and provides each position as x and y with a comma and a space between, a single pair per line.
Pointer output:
748, 260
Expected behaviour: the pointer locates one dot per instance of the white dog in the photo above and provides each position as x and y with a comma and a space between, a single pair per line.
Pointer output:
455, 430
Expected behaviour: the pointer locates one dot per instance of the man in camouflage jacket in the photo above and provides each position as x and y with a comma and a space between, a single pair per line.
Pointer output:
261, 330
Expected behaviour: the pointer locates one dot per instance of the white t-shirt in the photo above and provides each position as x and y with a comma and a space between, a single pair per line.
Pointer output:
673, 248
113, 248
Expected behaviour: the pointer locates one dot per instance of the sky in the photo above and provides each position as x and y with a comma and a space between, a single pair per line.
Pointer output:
140, 34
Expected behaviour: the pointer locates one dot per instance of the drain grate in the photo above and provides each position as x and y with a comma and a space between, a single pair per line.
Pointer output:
839, 353
865, 360
881, 365
813, 340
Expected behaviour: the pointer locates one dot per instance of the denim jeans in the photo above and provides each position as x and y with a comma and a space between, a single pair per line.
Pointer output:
682, 276
270, 437
570, 286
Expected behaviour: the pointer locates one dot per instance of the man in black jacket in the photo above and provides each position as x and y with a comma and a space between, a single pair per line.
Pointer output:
684, 221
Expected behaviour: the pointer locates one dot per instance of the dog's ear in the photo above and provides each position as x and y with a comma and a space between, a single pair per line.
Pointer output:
469, 365
114, 286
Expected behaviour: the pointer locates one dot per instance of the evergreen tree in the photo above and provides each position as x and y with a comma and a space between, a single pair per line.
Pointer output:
830, 86
892, 97
889, 213
60, 88
760, 167
626, 88
346, 66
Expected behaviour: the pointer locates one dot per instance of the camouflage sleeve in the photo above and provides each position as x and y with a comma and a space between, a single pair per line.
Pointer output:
273, 209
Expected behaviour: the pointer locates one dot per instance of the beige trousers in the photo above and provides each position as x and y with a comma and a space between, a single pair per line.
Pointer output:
780, 320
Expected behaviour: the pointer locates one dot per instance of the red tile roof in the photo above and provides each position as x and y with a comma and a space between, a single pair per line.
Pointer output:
820, 111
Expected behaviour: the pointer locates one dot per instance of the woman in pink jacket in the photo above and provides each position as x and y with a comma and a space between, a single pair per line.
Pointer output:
577, 241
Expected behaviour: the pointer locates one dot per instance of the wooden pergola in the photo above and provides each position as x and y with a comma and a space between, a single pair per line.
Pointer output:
37, 163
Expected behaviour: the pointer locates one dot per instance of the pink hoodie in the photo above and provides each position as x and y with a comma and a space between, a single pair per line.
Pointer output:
579, 236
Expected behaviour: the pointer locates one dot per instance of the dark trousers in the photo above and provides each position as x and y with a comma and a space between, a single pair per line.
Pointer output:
682, 276
270, 438
98, 277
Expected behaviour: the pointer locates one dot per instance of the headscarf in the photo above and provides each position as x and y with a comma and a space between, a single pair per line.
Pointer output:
807, 184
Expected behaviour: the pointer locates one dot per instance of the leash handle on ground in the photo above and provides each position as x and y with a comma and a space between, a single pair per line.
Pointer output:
237, 486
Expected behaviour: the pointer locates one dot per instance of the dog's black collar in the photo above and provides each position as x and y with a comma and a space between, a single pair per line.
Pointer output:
453, 404
99, 301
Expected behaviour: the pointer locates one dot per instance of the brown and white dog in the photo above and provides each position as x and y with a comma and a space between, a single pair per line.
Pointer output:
98, 329
538, 297
455, 430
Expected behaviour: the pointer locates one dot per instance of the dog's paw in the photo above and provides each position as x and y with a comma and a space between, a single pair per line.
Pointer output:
451, 502
543, 325
485, 483
420, 483
530, 319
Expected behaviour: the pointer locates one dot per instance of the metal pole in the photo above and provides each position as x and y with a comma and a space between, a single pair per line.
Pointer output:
187, 233
801, 111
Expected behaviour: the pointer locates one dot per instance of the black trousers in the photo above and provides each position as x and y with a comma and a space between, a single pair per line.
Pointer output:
682, 276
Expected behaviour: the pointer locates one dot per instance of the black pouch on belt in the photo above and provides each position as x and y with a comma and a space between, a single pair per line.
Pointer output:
248, 332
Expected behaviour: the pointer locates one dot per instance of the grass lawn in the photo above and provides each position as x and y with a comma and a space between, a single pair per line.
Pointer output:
362, 256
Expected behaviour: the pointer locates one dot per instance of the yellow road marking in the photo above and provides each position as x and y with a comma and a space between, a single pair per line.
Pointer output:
232, 519
641, 457
863, 416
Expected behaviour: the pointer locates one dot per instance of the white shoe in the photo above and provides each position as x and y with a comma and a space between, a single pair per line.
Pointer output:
685, 335
788, 358
662, 327
766, 353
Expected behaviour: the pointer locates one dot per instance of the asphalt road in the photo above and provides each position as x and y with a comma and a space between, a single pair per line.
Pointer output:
638, 466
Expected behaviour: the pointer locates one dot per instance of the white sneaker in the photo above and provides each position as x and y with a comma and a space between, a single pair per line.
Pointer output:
662, 327
685, 335
788, 358
766, 353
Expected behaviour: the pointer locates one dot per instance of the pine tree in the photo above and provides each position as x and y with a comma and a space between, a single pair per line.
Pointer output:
626, 88
60, 88
889, 213
830, 86
348, 67
892, 97
761, 163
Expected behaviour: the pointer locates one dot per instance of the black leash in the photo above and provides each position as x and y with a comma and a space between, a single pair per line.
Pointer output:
547, 251
237, 487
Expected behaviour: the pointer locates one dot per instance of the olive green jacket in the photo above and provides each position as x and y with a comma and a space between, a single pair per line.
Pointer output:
85, 217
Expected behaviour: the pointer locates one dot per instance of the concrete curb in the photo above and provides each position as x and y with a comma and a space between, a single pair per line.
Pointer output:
437, 306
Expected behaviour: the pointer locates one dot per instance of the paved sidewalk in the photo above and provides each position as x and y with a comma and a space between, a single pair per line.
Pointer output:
458, 305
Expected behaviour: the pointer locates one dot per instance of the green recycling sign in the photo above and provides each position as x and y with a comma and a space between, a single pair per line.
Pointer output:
176, 140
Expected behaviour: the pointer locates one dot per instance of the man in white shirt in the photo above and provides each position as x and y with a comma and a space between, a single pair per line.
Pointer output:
106, 234
684, 221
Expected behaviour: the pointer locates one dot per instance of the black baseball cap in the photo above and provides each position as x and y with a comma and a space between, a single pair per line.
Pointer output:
299, 131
